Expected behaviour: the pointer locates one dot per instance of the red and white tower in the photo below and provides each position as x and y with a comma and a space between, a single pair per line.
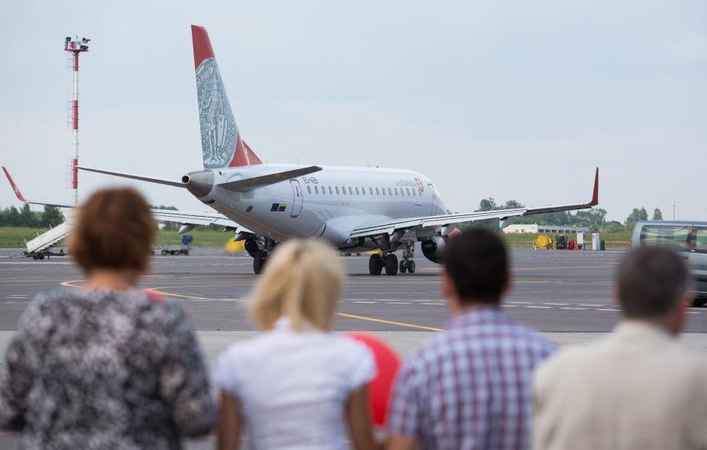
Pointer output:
75, 46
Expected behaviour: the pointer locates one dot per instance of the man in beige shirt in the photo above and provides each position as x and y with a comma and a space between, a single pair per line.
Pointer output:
636, 388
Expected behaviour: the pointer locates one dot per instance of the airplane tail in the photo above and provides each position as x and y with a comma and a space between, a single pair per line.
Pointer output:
221, 142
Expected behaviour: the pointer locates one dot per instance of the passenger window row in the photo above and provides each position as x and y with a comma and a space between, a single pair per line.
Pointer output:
381, 192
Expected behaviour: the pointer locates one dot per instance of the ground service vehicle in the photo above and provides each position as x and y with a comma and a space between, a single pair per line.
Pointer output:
688, 238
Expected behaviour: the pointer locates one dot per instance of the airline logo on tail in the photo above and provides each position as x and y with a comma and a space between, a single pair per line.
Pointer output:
218, 128
221, 143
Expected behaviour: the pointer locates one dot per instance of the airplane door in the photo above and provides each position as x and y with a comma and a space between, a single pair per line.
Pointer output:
433, 204
297, 198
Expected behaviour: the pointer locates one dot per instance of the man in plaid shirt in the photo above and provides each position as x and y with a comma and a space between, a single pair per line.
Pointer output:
470, 386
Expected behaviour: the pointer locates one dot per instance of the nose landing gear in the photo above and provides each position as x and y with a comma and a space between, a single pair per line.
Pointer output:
407, 264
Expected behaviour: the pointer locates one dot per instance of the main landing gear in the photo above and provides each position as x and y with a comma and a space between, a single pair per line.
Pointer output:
389, 262
259, 248
377, 263
259, 261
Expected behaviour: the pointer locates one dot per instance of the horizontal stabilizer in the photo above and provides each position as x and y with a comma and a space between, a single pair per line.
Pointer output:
248, 184
134, 177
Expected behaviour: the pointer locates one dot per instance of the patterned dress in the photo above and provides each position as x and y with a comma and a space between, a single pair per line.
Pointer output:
104, 369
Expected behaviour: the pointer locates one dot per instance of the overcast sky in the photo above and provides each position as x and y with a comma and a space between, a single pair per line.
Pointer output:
510, 100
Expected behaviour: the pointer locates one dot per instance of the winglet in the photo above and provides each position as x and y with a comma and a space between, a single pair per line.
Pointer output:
14, 186
595, 194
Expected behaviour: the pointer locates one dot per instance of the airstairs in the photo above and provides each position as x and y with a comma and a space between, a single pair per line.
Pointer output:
41, 246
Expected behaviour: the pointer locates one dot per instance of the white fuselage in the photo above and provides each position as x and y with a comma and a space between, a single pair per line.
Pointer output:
327, 204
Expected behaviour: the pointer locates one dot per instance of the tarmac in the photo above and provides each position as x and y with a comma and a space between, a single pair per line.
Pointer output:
566, 295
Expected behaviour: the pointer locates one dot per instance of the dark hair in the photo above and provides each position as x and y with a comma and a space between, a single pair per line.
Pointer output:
651, 280
477, 262
113, 229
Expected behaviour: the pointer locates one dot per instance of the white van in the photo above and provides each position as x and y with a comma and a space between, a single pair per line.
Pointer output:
688, 238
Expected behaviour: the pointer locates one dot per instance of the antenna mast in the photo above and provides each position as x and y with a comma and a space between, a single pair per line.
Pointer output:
75, 46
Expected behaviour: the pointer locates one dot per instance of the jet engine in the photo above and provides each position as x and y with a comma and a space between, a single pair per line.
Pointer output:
433, 248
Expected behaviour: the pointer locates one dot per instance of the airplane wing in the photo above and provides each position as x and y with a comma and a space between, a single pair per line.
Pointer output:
192, 218
188, 220
450, 220
22, 198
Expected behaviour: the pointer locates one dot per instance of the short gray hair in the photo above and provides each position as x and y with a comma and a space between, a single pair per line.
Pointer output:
651, 281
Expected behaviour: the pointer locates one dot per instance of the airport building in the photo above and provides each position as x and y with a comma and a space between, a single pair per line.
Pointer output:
534, 228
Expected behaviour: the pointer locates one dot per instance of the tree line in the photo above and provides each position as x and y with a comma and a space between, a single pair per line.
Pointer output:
594, 218
25, 217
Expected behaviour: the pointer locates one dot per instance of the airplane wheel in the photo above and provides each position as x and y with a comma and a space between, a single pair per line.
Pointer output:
391, 264
259, 263
411, 266
403, 267
699, 302
164, 252
41, 257
375, 265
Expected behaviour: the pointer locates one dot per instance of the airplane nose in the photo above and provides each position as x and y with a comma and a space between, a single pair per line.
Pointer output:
199, 183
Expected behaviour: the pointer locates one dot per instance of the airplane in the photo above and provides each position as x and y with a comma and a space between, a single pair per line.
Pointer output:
356, 209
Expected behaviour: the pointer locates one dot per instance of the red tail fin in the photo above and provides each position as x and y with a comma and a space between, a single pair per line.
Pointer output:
202, 45
221, 141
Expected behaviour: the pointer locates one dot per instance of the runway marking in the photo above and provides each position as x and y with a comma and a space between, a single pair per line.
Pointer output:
536, 269
157, 290
388, 322
514, 304
351, 316
17, 296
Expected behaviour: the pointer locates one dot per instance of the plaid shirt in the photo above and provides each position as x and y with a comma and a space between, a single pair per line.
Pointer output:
470, 387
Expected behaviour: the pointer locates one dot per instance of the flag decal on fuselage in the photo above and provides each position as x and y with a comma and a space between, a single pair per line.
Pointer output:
278, 207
